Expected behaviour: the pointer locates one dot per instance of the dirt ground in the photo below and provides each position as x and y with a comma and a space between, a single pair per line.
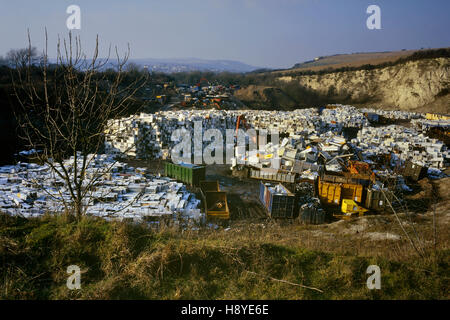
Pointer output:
242, 194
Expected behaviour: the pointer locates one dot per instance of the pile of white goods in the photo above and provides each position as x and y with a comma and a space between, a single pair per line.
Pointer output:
304, 120
393, 114
297, 153
423, 125
306, 135
344, 116
117, 191
311, 136
403, 144
150, 135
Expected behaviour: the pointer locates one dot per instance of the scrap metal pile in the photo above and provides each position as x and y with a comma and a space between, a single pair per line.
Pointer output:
321, 143
149, 136
314, 137
352, 171
402, 144
119, 192
423, 125
393, 114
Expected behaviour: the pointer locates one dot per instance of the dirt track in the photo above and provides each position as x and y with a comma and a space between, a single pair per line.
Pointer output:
242, 195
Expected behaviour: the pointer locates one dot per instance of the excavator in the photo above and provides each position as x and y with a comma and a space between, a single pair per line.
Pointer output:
241, 119
214, 103
361, 168
203, 80
242, 122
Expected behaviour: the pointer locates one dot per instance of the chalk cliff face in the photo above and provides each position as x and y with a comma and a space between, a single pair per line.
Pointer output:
407, 86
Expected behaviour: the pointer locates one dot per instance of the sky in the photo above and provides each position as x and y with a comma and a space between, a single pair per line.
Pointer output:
263, 33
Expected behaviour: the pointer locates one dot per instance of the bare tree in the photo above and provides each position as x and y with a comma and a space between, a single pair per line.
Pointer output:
3, 61
20, 58
132, 67
65, 108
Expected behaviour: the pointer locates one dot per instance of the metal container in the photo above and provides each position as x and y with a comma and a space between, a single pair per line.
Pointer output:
348, 178
333, 193
413, 171
214, 201
187, 173
352, 191
278, 200
272, 175
329, 193
376, 200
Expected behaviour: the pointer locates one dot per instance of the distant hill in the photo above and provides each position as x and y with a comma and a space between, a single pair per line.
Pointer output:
407, 80
193, 64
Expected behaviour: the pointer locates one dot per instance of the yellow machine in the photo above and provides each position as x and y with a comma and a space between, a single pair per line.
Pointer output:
434, 116
350, 208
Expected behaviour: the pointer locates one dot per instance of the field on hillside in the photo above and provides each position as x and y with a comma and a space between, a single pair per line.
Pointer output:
349, 60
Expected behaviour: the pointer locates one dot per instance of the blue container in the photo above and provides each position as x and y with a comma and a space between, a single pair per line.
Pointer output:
278, 201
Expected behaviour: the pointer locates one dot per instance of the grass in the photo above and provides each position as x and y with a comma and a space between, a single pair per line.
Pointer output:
131, 261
